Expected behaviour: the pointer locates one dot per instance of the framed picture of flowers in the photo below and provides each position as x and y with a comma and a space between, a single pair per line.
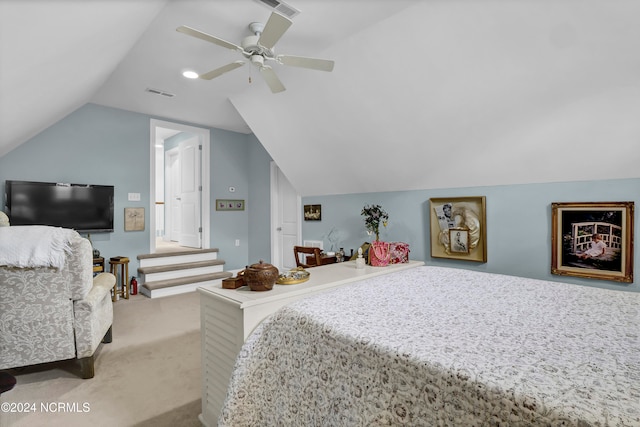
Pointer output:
466, 216
593, 240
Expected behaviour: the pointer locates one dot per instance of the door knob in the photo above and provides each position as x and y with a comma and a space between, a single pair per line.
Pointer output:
279, 228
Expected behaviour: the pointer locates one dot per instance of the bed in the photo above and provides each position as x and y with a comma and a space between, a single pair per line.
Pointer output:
435, 346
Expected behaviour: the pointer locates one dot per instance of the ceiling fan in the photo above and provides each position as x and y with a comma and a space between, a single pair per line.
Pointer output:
258, 49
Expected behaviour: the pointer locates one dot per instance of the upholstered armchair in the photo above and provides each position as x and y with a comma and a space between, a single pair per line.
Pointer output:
51, 307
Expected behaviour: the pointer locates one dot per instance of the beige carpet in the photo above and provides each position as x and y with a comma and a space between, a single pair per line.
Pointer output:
148, 376
163, 247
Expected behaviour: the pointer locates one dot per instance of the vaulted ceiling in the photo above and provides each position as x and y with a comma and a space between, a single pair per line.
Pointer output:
424, 93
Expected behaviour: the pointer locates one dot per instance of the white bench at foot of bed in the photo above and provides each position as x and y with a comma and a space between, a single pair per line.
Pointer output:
228, 316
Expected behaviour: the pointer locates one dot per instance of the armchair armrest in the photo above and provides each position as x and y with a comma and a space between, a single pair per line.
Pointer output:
102, 285
93, 316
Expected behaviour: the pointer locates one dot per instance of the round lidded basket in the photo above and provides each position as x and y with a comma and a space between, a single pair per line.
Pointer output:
261, 276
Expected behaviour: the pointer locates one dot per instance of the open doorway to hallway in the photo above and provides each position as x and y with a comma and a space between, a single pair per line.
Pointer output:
179, 191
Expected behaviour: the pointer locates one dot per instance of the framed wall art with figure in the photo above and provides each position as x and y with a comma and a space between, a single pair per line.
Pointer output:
593, 240
458, 228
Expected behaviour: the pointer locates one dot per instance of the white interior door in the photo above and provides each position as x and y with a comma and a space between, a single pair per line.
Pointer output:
172, 196
157, 136
286, 213
190, 193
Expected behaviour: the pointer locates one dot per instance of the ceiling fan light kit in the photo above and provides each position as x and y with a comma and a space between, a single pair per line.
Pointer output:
190, 74
258, 49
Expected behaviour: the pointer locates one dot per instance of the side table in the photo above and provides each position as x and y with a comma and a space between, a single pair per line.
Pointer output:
98, 264
121, 287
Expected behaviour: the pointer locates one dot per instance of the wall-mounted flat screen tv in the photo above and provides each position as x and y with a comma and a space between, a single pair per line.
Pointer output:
82, 207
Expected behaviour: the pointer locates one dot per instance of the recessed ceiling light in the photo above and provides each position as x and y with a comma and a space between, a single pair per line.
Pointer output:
190, 74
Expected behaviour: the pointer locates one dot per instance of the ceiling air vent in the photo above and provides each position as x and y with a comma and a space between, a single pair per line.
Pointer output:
160, 92
281, 7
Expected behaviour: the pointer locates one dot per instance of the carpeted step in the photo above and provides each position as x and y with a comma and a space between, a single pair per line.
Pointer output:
178, 257
182, 266
173, 273
177, 253
160, 284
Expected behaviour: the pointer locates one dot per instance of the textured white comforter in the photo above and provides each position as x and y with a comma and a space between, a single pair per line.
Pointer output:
434, 346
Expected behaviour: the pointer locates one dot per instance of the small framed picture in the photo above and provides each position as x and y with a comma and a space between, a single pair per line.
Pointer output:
229, 205
133, 219
593, 240
312, 212
459, 240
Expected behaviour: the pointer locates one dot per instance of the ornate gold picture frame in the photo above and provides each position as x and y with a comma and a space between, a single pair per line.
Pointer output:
466, 215
593, 240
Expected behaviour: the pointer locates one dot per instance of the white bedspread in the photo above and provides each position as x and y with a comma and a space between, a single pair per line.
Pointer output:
435, 346
34, 246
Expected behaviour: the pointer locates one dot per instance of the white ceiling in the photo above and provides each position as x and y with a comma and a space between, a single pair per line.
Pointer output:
424, 94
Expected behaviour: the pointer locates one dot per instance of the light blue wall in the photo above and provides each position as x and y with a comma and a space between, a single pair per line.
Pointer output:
229, 151
518, 223
93, 145
101, 145
259, 163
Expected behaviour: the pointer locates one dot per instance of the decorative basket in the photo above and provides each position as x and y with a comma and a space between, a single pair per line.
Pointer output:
261, 276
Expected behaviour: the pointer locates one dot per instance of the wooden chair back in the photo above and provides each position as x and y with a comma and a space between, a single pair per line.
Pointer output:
304, 251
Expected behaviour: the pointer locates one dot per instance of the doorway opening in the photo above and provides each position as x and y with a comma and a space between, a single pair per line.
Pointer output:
179, 191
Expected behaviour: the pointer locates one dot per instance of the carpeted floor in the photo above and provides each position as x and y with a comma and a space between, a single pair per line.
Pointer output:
148, 376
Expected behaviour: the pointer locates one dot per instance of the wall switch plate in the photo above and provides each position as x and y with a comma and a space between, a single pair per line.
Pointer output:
134, 197
237, 242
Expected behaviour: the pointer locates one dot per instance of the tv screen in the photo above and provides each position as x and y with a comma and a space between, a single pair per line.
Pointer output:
82, 207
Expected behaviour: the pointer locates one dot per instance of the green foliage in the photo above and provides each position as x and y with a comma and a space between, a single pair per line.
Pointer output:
373, 216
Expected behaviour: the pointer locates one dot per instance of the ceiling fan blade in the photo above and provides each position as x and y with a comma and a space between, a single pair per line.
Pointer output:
312, 63
272, 79
207, 37
275, 27
220, 71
